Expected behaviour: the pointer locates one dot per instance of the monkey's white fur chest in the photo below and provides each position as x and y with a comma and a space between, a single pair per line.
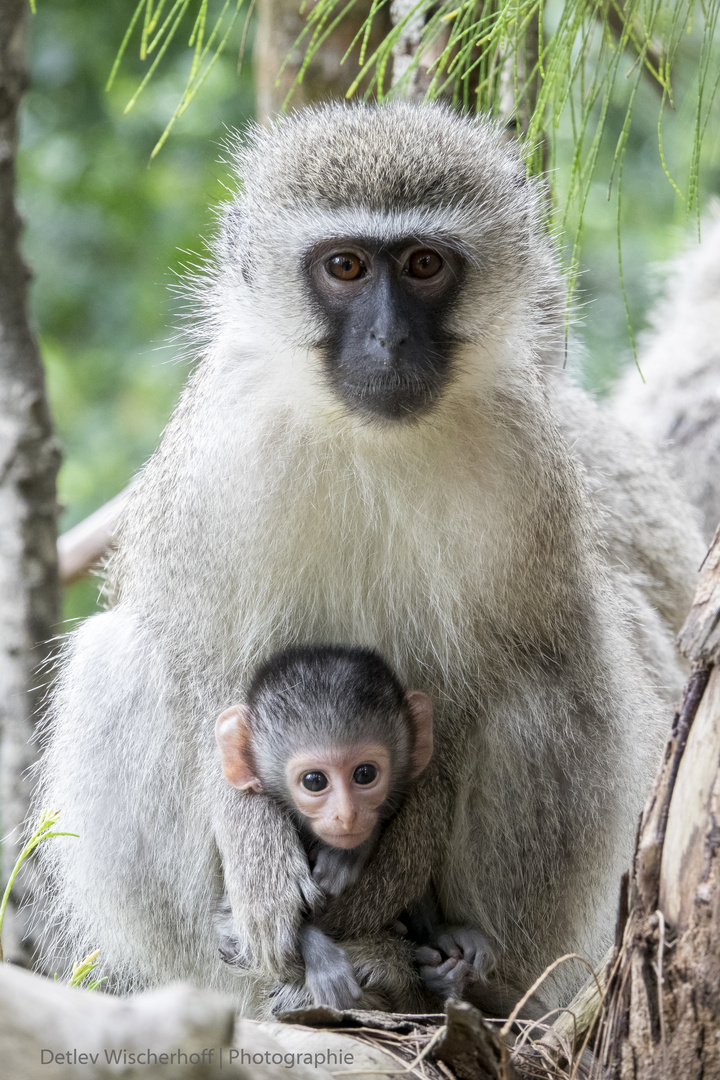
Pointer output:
336, 533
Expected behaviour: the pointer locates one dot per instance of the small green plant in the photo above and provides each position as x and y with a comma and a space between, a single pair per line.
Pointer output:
81, 971
44, 831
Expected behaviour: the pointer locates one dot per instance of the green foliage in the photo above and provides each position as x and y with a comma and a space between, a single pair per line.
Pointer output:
211, 28
81, 972
556, 56
107, 236
46, 831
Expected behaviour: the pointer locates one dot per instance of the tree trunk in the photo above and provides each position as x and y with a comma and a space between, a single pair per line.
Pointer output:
29, 459
661, 1016
326, 78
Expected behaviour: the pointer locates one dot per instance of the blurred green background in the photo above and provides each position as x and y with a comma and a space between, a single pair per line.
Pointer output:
108, 234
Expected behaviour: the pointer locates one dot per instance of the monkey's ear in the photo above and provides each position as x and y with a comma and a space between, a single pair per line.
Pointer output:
421, 711
232, 733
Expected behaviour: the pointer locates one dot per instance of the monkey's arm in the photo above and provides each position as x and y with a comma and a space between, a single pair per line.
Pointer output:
267, 879
329, 975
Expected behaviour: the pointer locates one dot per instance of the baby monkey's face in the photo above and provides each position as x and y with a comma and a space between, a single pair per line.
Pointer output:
340, 791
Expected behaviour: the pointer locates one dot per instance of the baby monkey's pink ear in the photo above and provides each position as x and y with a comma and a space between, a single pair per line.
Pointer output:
421, 711
232, 733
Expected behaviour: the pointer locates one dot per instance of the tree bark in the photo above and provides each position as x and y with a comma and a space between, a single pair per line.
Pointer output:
29, 460
661, 1013
326, 78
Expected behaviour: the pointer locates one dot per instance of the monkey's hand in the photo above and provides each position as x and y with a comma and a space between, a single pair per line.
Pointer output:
457, 957
445, 976
329, 975
228, 944
267, 880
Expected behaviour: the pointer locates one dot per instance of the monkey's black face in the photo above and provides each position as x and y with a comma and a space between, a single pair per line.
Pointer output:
385, 309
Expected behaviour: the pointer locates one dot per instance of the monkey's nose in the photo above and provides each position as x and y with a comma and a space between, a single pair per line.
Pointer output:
390, 340
345, 816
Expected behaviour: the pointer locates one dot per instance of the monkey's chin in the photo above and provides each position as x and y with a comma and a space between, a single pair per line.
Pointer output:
344, 840
377, 403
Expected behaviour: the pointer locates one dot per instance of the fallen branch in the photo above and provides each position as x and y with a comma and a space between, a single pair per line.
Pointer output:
85, 546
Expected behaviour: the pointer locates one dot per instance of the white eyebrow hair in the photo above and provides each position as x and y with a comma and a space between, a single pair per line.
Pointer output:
454, 225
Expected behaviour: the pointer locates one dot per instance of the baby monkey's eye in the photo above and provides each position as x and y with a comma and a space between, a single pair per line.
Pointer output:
315, 781
364, 774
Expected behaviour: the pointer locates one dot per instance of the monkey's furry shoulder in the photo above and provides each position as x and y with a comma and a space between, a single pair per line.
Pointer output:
376, 448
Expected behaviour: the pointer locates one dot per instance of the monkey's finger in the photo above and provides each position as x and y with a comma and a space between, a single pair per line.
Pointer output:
483, 963
448, 979
399, 928
467, 943
236, 960
453, 965
477, 952
475, 948
439, 983
447, 944
425, 955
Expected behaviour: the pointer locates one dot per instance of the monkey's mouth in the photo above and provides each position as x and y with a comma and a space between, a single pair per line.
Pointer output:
396, 393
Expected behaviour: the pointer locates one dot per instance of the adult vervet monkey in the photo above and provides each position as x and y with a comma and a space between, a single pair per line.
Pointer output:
378, 447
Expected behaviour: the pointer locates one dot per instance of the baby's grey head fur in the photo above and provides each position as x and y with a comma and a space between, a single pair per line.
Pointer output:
322, 696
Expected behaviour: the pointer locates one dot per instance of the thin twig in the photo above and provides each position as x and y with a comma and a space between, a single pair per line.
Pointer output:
395, 1072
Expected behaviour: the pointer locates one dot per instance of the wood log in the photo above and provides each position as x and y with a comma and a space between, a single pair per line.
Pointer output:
60, 1033
661, 1016
49, 1031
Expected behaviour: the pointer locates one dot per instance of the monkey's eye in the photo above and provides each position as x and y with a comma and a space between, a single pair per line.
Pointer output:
364, 774
314, 781
424, 264
347, 267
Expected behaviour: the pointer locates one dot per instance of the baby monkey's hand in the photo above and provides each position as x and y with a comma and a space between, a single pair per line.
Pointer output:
456, 957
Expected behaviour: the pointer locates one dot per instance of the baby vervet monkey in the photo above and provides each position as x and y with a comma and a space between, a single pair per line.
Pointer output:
330, 734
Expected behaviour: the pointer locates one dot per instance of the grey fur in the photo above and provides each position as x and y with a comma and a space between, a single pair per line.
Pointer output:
509, 553
326, 697
678, 407
336, 870
329, 974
